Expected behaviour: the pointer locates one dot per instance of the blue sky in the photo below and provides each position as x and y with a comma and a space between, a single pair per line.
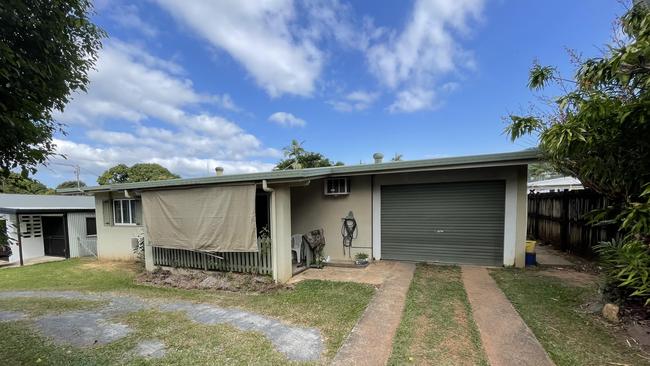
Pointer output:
197, 84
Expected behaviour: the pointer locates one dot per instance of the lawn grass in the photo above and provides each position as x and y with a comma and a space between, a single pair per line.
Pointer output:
552, 311
437, 326
333, 307
41, 306
187, 343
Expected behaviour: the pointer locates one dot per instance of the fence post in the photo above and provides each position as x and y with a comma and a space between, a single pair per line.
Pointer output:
564, 222
536, 201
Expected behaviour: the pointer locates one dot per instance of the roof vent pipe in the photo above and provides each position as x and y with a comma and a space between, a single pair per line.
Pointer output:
219, 171
378, 157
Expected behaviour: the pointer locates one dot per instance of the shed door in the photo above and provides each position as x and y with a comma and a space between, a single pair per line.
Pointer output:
54, 238
444, 222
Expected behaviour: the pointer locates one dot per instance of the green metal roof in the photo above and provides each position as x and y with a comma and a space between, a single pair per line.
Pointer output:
511, 158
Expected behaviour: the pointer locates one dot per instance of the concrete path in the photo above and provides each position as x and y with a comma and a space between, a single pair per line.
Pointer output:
547, 256
99, 326
507, 340
371, 340
376, 273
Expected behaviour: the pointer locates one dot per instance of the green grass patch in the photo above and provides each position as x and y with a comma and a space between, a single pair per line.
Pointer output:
41, 306
332, 307
437, 326
552, 311
187, 343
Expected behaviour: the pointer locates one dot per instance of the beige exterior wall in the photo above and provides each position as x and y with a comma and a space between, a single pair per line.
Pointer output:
312, 209
522, 215
281, 233
113, 241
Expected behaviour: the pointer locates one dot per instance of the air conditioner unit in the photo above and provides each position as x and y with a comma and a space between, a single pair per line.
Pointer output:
337, 186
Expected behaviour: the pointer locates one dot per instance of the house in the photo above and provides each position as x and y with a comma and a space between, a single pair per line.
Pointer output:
47, 226
469, 209
555, 185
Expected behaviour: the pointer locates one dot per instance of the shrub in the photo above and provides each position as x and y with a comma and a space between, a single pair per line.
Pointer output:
361, 256
627, 266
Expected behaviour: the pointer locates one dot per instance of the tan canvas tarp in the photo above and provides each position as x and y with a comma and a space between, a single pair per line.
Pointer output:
212, 219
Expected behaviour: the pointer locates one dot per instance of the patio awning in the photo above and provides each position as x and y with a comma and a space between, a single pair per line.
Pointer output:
207, 219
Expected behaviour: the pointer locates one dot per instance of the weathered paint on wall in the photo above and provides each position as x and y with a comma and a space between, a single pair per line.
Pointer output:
114, 241
312, 209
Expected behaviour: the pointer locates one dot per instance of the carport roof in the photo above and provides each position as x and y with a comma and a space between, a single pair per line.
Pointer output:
474, 161
10, 203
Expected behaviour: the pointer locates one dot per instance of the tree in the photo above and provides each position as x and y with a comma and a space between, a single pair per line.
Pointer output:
22, 184
47, 49
116, 174
70, 184
297, 158
540, 171
142, 172
599, 132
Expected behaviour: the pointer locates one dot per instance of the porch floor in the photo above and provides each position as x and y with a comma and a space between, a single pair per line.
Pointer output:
31, 261
375, 273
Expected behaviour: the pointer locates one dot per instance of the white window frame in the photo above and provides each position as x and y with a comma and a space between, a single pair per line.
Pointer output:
131, 213
343, 182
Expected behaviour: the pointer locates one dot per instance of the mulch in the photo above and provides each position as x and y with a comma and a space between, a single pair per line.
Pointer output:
206, 280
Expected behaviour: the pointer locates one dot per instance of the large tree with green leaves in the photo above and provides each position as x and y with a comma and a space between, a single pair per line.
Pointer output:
70, 184
598, 130
22, 184
142, 172
47, 49
296, 157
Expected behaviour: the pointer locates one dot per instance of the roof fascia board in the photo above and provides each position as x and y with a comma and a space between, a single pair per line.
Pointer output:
503, 159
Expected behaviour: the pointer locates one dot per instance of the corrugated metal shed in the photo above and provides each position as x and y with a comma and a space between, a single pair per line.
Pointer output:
81, 245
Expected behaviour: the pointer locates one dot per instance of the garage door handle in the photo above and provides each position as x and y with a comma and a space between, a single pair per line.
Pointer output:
440, 231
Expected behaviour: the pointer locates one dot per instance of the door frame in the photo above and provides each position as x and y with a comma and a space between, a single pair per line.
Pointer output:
64, 217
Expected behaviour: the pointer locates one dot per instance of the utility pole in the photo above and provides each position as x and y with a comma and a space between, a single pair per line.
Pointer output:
77, 172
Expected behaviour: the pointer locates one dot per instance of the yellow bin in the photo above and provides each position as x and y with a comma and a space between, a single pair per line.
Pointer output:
530, 246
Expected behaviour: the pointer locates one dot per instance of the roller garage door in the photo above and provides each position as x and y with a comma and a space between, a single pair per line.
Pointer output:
444, 222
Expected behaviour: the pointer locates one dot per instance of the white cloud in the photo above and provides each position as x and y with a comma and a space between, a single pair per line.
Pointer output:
131, 84
94, 160
258, 34
287, 119
356, 101
412, 100
128, 16
140, 108
426, 49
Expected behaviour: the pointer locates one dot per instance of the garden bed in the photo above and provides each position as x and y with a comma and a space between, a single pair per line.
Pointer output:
193, 279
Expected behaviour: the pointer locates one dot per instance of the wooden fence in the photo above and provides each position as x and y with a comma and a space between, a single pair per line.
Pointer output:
250, 262
558, 218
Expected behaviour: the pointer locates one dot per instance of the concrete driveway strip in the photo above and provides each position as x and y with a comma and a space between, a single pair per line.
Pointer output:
507, 340
371, 340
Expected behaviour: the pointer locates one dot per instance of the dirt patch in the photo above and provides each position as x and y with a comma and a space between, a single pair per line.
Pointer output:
571, 277
228, 281
455, 347
108, 265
